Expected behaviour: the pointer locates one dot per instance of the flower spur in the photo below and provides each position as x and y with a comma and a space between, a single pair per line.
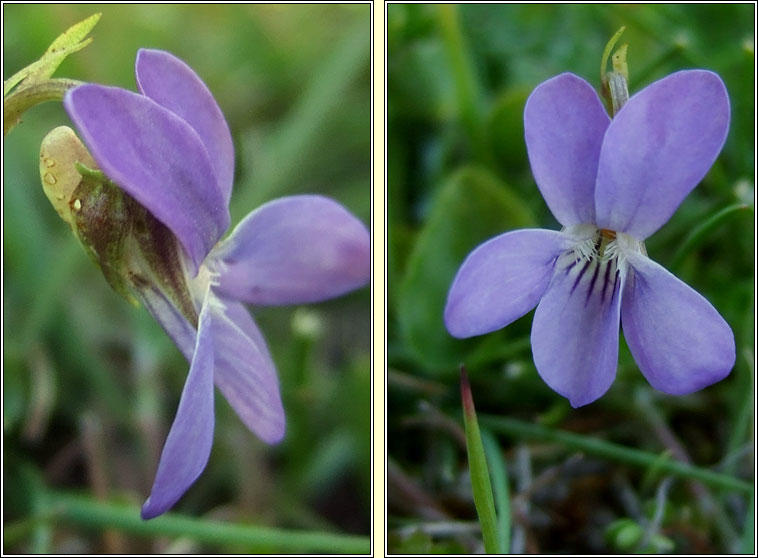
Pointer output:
150, 206
611, 184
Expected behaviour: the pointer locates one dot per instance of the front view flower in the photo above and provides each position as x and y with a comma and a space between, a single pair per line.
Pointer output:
611, 184
152, 217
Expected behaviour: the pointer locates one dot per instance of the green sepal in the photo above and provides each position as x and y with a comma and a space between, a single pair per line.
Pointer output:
102, 222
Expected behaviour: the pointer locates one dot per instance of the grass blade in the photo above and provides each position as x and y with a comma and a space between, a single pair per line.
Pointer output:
480, 475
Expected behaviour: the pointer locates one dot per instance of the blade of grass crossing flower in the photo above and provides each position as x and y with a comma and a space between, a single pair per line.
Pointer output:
480, 476
499, 478
700, 232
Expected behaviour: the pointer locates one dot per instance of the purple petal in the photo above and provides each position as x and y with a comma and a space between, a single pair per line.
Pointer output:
679, 341
245, 373
181, 331
157, 158
564, 123
175, 86
501, 280
657, 149
189, 441
575, 333
294, 250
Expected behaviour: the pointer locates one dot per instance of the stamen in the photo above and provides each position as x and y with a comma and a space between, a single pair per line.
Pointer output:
586, 249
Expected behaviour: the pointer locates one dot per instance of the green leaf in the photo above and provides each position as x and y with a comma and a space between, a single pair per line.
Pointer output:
505, 129
480, 474
472, 206
70, 41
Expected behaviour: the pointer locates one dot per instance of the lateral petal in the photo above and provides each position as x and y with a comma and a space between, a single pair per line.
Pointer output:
575, 333
245, 373
171, 83
501, 280
678, 339
294, 250
188, 446
157, 158
658, 148
564, 124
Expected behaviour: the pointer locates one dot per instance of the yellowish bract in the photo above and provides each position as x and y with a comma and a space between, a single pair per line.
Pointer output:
60, 151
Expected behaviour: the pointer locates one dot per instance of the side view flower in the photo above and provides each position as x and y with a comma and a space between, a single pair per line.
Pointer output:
152, 213
611, 184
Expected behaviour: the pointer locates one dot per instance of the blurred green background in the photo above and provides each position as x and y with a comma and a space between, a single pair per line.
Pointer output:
457, 80
91, 384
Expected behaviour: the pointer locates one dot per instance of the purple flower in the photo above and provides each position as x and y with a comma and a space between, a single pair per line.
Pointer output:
611, 184
170, 149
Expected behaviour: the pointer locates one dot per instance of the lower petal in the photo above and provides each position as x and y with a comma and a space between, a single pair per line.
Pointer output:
245, 373
575, 332
189, 441
501, 280
679, 341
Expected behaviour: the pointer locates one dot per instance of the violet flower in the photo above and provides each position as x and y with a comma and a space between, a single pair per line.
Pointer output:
170, 149
611, 184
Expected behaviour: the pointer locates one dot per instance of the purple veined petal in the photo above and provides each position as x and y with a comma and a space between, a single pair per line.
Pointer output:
501, 280
157, 158
245, 373
175, 86
679, 341
294, 250
657, 149
188, 446
564, 124
575, 333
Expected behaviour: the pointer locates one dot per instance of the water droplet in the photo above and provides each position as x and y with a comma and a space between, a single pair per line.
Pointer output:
50, 178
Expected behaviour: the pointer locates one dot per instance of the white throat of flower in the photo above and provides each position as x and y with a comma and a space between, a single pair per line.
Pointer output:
590, 243
199, 285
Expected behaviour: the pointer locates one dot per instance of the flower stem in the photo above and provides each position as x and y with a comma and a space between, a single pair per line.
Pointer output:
616, 452
23, 99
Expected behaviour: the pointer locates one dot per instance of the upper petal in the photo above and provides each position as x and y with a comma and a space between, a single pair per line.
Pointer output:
657, 149
501, 280
157, 158
175, 86
294, 250
564, 123
575, 333
190, 439
245, 373
679, 341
